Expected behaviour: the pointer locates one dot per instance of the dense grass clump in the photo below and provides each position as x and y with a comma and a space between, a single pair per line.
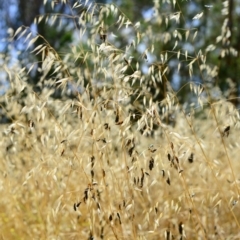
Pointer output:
103, 147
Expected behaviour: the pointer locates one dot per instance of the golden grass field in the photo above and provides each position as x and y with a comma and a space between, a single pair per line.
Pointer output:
122, 158
70, 171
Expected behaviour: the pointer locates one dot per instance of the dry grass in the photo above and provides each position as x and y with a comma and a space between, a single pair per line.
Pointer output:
92, 167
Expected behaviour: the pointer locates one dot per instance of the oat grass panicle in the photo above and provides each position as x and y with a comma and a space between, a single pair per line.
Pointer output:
117, 155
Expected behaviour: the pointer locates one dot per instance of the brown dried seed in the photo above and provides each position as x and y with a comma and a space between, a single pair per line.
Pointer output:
190, 158
119, 123
126, 61
102, 235
103, 37
98, 194
12, 130
226, 131
180, 228
117, 117
168, 181
92, 160
98, 206
79, 112
153, 150
86, 194
119, 218
151, 164
130, 151
31, 124
167, 235
128, 142
142, 179
134, 159
91, 236
9, 147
